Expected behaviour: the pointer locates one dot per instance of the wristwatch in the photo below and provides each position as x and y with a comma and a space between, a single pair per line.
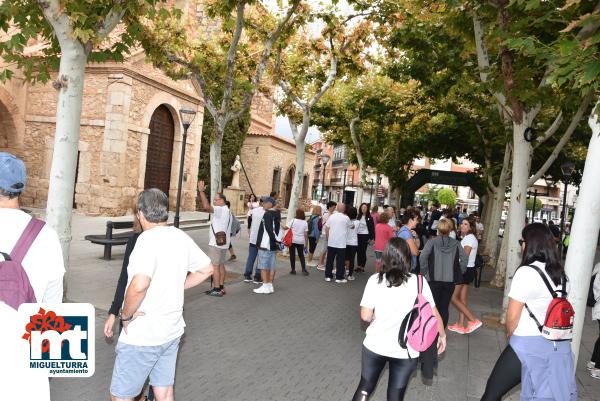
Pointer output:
125, 319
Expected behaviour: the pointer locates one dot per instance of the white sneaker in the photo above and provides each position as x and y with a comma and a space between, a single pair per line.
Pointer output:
271, 289
328, 279
590, 365
343, 281
350, 278
263, 289
311, 264
321, 268
595, 373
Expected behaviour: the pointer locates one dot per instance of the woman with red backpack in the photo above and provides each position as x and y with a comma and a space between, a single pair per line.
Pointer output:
539, 326
390, 295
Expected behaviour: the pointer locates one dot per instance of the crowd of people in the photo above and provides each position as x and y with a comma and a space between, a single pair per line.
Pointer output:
420, 257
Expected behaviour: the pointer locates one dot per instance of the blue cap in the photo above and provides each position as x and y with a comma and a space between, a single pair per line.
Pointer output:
269, 199
12, 173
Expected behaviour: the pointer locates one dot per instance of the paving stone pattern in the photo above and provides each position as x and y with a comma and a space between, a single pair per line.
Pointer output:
301, 343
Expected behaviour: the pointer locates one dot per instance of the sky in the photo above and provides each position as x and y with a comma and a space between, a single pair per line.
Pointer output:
282, 128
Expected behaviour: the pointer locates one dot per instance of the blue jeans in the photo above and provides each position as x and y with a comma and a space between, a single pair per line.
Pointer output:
252, 253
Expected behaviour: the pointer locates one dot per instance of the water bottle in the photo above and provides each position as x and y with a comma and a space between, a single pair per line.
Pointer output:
305, 251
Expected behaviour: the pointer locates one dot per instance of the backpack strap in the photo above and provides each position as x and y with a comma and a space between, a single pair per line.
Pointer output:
552, 292
6, 256
27, 237
419, 283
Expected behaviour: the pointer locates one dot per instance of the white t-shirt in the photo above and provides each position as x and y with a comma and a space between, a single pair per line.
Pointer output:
43, 263
479, 227
338, 224
257, 215
363, 228
391, 305
528, 287
392, 222
471, 241
298, 227
352, 237
220, 220
252, 206
166, 255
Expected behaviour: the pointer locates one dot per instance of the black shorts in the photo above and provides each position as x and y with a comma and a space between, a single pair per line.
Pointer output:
469, 276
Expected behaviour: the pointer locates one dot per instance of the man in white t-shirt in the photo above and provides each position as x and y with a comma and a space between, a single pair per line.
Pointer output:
336, 231
220, 227
328, 212
164, 262
256, 215
45, 269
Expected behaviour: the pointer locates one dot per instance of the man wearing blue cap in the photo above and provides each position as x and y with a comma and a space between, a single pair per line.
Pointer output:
268, 242
43, 261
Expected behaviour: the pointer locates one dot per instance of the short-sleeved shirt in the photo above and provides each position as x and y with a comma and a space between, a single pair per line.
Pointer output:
166, 255
528, 287
406, 234
363, 228
391, 305
43, 263
298, 227
338, 224
220, 220
471, 241
352, 237
383, 233
257, 215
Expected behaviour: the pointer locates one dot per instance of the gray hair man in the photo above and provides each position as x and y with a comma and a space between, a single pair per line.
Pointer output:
164, 262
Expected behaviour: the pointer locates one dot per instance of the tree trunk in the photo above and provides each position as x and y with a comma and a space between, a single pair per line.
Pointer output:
61, 186
495, 203
359, 157
397, 192
215, 161
518, 199
584, 233
297, 184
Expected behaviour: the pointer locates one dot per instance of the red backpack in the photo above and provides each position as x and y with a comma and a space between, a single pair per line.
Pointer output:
558, 324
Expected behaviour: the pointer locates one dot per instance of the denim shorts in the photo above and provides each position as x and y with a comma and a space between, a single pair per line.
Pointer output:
378, 255
266, 259
134, 363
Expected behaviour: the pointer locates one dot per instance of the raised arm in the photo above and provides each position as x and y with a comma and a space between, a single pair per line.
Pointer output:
206, 206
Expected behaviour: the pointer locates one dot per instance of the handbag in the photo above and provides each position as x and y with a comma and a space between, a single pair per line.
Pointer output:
221, 236
288, 237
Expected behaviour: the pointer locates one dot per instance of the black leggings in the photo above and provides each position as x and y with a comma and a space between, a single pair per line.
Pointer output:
373, 364
300, 249
505, 376
312, 245
361, 255
442, 295
350, 253
596, 353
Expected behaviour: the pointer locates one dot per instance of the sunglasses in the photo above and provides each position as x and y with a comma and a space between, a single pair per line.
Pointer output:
521, 242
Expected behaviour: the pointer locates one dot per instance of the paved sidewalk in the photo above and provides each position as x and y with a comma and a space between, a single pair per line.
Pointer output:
301, 343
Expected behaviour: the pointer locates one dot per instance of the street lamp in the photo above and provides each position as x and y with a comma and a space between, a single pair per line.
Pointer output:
324, 160
371, 198
187, 116
566, 170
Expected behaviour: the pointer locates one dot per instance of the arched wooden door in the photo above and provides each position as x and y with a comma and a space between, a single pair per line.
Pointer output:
160, 150
289, 180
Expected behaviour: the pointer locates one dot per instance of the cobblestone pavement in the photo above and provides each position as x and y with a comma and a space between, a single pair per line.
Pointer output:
301, 343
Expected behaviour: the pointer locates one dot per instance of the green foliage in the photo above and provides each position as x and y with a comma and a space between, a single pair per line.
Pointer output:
447, 197
538, 204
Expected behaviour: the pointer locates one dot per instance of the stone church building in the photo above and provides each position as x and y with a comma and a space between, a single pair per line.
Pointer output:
131, 137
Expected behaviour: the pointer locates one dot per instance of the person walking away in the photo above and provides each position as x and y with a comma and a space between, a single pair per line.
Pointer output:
351, 242
443, 262
268, 244
388, 297
42, 261
436, 214
236, 227
164, 262
470, 245
254, 220
336, 231
252, 204
407, 232
544, 368
594, 364
383, 233
299, 228
375, 214
366, 235
219, 237
330, 210
392, 213
315, 226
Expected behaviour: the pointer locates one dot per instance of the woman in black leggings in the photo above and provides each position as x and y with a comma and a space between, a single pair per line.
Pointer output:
390, 295
504, 377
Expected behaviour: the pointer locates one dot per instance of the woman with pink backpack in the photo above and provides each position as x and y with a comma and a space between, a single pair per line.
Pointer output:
390, 304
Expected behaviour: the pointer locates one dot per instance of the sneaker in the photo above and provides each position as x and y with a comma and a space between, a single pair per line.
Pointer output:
257, 281
293, 272
456, 328
590, 365
359, 270
222, 291
472, 326
247, 279
263, 289
232, 257
342, 281
321, 268
328, 279
595, 373
271, 289
215, 293
311, 264
350, 278
305, 272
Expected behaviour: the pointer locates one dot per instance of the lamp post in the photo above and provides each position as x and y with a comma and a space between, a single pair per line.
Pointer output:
187, 116
344, 184
324, 160
566, 170
371, 198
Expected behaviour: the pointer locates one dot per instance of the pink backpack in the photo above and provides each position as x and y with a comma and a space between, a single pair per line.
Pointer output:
18, 289
419, 328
